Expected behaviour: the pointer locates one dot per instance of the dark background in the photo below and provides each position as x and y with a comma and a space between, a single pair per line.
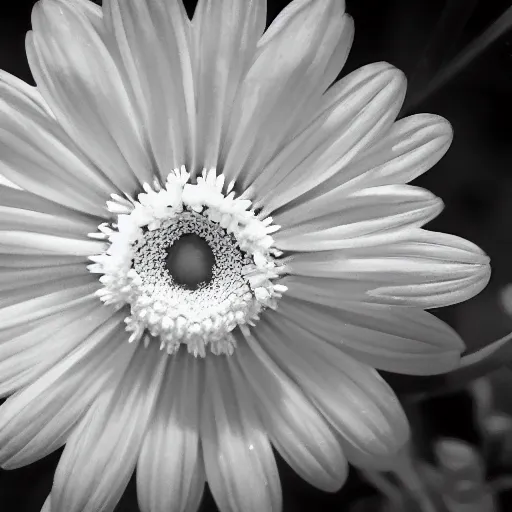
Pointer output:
474, 179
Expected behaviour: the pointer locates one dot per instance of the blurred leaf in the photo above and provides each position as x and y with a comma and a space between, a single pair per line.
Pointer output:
467, 55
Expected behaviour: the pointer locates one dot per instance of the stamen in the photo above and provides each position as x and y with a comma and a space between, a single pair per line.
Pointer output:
179, 292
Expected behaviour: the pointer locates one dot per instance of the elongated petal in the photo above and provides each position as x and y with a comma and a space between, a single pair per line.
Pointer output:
23, 211
240, 466
79, 79
12, 280
352, 396
294, 425
354, 112
291, 58
101, 453
411, 147
27, 355
37, 420
426, 269
153, 40
170, 473
47, 505
23, 242
402, 340
339, 56
47, 304
37, 261
338, 222
24, 292
37, 155
225, 36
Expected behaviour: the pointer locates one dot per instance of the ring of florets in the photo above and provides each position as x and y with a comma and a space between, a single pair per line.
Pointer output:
244, 275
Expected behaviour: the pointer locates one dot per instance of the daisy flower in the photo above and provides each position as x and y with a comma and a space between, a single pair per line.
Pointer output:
211, 250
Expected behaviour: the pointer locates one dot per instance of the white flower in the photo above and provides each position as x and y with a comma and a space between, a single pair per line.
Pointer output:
319, 269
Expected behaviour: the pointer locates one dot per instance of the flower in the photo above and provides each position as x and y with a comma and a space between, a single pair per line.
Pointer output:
203, 182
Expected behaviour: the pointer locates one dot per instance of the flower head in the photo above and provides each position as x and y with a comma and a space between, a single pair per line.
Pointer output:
212, 251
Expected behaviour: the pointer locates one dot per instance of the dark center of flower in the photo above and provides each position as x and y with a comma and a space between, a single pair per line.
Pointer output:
190, 261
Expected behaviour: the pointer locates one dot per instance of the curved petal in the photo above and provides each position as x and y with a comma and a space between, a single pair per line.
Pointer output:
286, 73
294, 425
102, 450
44, 304
225, 36
352, 396
39, 157
23, 211
170, 472
33, 225
240, 466
81, 82
37, 420
401, 340
152, 38
337, 59
12, 280
26, 355
426, 269
354, 113
24, 242
33, 261
337, 222
47, 505
412, 146
68, 278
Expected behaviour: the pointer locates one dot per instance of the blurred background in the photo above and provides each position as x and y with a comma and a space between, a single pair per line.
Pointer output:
474, 179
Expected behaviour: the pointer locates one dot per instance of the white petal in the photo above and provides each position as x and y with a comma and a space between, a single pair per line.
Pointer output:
240, 466
102, 451
47, 505
23, 242
354, 113
13, 279
225, 36
338, 57
411, 147
170, 471
25, 292
26, 355
31, 261
45, 304
294, 425
352, 396
7, 183
426, 269
79, 79
336, 222
37, 420
39, 157
402, 340
152, 38
286, 73
23, 211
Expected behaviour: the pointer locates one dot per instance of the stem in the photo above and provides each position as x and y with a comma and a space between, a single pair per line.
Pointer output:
472, 50
380, 482
406, 471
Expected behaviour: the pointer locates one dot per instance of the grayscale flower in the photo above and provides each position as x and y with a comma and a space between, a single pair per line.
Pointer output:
211, 251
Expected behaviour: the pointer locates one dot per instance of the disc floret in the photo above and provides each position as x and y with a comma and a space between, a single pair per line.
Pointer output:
244, 277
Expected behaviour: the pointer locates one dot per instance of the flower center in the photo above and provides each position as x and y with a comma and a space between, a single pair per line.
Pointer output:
192, 263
